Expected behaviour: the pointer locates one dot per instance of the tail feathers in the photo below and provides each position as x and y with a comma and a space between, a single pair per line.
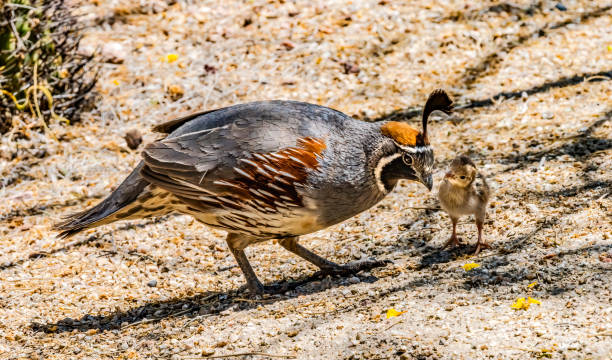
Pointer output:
75, 223
100, 214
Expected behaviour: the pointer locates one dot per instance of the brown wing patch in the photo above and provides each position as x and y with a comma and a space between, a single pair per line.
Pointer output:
267, 180
402, 133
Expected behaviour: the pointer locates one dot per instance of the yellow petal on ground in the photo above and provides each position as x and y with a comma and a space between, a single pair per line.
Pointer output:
532, 284
116, 82
470, 266
392, 312
533, 301
172, 57
520, 304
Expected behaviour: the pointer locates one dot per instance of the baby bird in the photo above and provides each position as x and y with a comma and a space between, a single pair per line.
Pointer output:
464, 191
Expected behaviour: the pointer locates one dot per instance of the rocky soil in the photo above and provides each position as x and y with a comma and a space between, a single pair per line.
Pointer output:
532, 81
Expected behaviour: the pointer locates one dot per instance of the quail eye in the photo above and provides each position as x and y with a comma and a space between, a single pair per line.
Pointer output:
462, 177
407, 159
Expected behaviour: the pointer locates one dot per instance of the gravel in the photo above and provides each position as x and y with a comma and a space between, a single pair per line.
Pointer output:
169, 287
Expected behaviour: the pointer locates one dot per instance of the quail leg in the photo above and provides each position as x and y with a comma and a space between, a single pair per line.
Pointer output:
454, 240
237, 248
328, 267
480, 244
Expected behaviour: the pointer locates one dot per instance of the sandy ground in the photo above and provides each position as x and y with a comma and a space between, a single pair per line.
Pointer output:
533, 84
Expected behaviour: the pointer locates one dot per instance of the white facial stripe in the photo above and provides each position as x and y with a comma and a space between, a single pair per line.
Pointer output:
415, 150
384, 161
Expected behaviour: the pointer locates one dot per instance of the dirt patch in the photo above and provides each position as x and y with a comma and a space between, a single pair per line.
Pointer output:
536, 120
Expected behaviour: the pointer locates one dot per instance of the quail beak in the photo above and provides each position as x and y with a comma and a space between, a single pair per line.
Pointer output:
427, 180
449, 175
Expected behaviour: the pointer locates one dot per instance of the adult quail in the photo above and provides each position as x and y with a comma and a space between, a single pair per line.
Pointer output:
270, 170
464, 191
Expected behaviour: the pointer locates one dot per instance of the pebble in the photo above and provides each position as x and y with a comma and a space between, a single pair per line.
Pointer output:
354, 280
152, 283
133, 139
113, 52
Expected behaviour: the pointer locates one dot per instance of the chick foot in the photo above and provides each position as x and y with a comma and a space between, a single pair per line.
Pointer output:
454, 241
480, 246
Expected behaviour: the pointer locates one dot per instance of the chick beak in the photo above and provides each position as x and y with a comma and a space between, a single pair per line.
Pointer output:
427, 180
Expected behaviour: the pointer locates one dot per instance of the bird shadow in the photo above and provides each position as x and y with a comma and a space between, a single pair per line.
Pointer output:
204, 304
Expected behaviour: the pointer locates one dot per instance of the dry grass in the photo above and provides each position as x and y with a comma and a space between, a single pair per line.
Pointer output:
548, 155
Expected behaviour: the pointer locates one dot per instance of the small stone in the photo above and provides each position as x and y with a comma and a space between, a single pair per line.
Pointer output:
354, 280
288, 45
293, 333
547, 115
133, 138
207, 352
113, 52
175, 92
350, 68
221, 344
560, 7
152, 283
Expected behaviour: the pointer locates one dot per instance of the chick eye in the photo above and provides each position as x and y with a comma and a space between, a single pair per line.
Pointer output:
407, 159
462, 177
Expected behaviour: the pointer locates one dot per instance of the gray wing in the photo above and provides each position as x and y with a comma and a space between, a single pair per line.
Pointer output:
231, 150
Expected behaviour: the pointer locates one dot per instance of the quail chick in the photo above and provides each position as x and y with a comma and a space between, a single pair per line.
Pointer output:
464, 191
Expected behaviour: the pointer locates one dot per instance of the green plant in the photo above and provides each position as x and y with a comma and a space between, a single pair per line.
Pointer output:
38, 60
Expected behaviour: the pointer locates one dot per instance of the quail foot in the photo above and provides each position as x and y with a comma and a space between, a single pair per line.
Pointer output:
464, 191
270, 170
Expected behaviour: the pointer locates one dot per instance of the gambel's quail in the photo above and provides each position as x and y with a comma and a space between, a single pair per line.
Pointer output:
270, 170
464, 191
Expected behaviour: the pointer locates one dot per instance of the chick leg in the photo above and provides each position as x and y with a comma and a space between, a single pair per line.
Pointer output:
326, 266
454, 240
480, 244
237, 244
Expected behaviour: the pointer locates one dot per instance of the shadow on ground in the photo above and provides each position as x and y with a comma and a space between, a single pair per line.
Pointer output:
211, 303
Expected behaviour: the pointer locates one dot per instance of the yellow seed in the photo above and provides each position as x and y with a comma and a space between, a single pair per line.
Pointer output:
392, 313
172, 58
470, 266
